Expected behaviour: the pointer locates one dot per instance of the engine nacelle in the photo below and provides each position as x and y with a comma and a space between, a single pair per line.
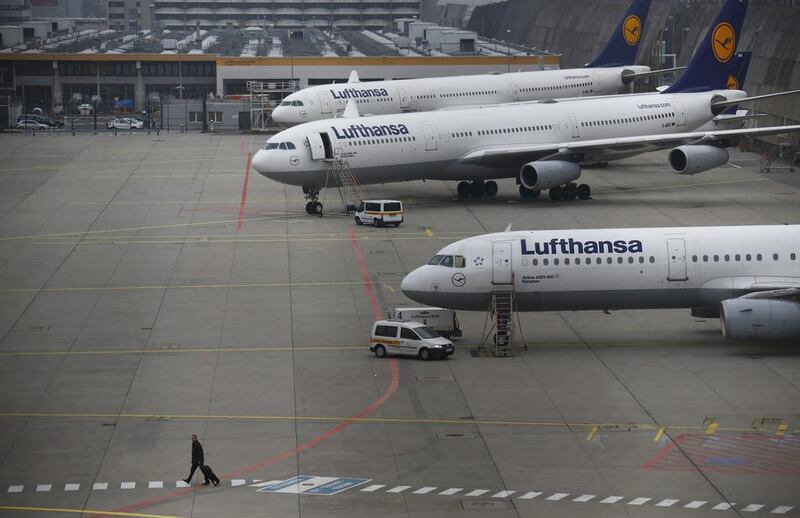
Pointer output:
696, 159
538, 176
759, 319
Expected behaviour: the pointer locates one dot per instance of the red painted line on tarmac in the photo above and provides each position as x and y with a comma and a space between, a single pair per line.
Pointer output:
240, 219
663, 452
372, 407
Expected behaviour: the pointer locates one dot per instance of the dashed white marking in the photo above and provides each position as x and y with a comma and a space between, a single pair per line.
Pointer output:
724, 506
451, 491
583, 498
611, 499
781, 509
667, 502
398, 489
639, 501
15, 489
259, 483
530, 494
128, 485
503, 494
43, 488
695, 504
373, 487
181, 483
557, 496
100, 486
155, 484
238, 482
478, 492
752, 508
71, 487
424, 490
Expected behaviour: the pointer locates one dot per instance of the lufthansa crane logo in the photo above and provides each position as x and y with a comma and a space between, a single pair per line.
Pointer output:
294, 160
723, 42
733, 83
459, 279
632, 29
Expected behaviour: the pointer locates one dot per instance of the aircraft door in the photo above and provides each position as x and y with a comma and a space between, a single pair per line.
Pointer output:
324, 103
316, 145
501, 263
430, 138
596, 83
680, 115
515, 92
405, 103
676, 248
575, 127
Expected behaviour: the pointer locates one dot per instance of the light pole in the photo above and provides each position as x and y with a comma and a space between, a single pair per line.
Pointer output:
508, 47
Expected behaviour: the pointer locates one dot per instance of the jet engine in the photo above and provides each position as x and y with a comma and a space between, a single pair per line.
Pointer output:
538, 176
759, 319
696, 159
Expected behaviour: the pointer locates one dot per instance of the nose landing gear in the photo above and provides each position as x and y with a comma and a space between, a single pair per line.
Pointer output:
312, 195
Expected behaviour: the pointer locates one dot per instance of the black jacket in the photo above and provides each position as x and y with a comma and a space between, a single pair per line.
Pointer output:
197, 453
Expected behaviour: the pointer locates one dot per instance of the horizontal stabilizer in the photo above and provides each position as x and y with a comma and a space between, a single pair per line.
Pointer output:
754, 98
653, 72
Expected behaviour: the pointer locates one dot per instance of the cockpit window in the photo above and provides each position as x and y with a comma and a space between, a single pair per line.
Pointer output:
449, 261
297, 103
436, 260
283, 145
286, 103
459, 261
271, 145
289, 145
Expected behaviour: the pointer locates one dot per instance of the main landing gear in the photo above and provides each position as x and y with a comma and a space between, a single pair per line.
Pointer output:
476, 188
312, 195
570, 192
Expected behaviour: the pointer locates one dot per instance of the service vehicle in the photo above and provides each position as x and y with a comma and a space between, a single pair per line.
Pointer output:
408, 338
86, 109
124, 123
31, 124
379, 212
443, 321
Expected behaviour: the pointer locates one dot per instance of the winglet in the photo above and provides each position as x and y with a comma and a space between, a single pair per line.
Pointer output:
508, 228
351, 110
620, 51
709, 67
353, 77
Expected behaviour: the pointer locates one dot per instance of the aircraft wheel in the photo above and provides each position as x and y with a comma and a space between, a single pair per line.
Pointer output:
556, 193
476, 189
570, 192
584, 192
528, 194
310, 207
463, 189
316, 208
490, 188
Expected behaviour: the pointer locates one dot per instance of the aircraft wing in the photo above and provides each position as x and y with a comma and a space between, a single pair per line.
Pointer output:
791, 292
599, 150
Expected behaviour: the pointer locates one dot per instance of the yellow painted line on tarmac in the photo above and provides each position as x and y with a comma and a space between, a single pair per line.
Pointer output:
713, 427
187, 350
429, 231
592, 433
82, 511
389, 288
659, 434
184, 287
781, 430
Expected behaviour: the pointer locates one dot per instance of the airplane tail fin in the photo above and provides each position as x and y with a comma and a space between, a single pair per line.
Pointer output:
620, 51
737, 75
709, 68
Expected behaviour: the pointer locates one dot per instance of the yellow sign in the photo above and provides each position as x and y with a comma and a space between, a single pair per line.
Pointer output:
733, 83
632, 29
723, 42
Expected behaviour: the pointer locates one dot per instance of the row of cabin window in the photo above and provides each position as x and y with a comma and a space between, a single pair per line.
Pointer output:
558, 87
462, 94
516, 130
628, 120
371, 142
738, 258
588, 260
461, 134
379, 99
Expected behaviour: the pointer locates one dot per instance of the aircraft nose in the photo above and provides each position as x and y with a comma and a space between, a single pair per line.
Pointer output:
417, 285
260, 161
279, 115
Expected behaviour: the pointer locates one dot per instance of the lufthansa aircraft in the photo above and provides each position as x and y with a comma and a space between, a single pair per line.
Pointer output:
749, 276
541, 144
605, 75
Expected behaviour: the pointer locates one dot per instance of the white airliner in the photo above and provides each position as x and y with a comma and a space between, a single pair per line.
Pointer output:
748, 275
607, 74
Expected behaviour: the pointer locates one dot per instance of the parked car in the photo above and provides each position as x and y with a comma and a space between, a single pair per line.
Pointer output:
31, 124
408, 338
124, 123
51, 123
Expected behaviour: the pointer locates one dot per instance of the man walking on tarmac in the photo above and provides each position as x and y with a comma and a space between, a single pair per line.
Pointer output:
198, 461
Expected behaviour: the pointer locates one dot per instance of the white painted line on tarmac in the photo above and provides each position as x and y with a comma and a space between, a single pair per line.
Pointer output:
127, 485
669, 502
477, 492
71, 487
259, 483
373, 487
236, 482
752, 508
530, 495
583, 498
398, 489
451, 491
424, 490
557, 496
695, 504
639, 501
781, 509
503, 494
155, 484
724, 506
181, 483
15, 489
100, 486
43, 488
611, 499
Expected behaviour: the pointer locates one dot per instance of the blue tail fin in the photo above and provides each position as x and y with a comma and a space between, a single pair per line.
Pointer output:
709, 67
620, 51
737, 73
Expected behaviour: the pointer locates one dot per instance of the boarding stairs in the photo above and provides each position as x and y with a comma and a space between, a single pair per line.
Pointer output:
349, 189
501, 312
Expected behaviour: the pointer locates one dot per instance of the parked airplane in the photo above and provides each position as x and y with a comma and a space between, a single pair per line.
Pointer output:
608, 73
749, 276
541, 144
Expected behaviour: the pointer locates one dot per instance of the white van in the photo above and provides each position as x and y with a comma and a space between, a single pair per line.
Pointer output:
408, 338
380, 212
444, 321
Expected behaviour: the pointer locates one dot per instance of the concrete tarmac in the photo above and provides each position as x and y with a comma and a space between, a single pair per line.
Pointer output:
151, 288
